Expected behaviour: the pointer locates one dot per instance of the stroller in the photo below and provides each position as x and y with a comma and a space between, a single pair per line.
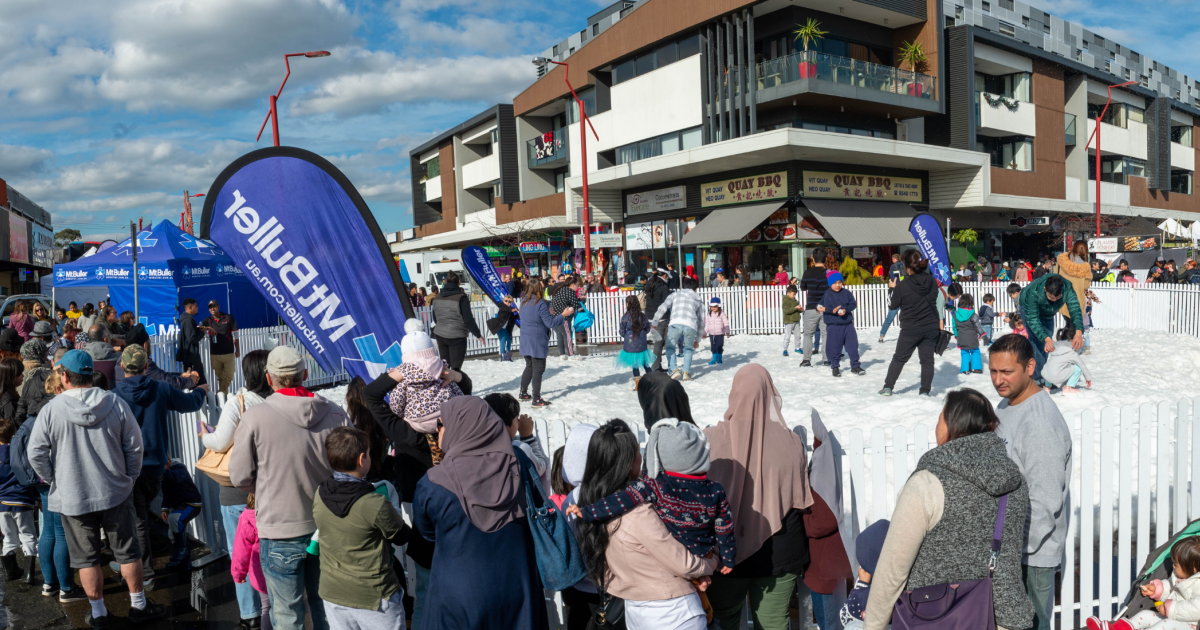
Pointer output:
1158, 567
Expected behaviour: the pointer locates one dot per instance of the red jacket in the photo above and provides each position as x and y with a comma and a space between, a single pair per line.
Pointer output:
828, 555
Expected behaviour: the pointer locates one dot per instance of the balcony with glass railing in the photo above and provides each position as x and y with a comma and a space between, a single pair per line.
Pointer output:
549, 150
864, 75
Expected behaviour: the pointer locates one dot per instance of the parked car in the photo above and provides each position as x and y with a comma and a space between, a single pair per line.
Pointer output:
10, 303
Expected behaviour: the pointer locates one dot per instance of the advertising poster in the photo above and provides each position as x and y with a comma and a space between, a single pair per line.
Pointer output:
660, 238
18, 239
43, 246
638, 237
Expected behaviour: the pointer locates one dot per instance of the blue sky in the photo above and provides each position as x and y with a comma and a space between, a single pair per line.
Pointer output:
112, 109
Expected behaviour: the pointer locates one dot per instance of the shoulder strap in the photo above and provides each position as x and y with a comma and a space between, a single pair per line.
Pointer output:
998, 532
241, 404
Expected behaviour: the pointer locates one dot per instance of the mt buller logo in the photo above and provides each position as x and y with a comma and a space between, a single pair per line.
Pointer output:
146, 273
69, 274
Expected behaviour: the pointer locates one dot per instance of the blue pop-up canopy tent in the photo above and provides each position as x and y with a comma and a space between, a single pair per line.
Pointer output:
172, 266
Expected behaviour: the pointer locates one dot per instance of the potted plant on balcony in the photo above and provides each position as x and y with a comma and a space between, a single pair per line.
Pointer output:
913, 53
810, 32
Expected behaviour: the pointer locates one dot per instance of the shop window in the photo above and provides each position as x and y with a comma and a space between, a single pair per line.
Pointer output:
1011, 152
1182, 135
1181, 182
1016, 86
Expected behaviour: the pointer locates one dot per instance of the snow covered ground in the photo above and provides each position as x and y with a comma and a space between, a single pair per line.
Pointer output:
1130, 367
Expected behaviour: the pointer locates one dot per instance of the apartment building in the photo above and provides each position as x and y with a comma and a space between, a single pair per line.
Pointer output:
722, 141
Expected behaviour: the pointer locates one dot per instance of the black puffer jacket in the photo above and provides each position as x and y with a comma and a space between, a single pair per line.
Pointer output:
656, 293
33, 395
916, 296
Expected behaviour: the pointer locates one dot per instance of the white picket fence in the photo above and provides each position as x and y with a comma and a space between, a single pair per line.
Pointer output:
1136, 484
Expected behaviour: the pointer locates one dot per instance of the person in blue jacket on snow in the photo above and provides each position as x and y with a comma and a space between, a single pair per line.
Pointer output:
837, 306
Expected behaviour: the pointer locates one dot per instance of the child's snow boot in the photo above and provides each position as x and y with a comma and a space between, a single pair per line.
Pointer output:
713, 361
720, 358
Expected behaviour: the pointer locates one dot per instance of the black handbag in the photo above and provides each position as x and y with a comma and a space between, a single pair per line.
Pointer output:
610, 614
943, 342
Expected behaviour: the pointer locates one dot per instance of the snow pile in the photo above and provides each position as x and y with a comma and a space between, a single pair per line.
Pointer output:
1130, 367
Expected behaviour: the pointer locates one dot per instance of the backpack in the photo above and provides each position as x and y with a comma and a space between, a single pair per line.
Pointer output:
18, 453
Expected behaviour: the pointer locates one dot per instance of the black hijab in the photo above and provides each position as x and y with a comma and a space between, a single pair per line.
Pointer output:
663, 397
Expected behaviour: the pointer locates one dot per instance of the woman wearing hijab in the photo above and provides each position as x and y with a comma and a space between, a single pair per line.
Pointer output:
762, 466
829, 573
663, 397
484, 574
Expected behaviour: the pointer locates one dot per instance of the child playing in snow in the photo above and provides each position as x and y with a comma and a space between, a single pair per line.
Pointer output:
424, 383
792, 310
694, 508
1063, 366
17, 516
838, 306
867, 547
245, 561
181, 504
987, 317
1179, 596
1018, 326
716, 326
634, 327
967, 329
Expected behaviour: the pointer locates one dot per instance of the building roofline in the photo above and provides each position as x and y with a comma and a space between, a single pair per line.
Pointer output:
493, 111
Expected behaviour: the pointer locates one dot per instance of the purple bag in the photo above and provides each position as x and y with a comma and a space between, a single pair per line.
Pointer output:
961, 606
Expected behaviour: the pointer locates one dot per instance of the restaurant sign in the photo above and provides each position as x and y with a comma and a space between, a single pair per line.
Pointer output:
824, 185
745, 189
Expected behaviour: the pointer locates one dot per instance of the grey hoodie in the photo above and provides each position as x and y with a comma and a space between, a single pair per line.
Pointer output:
279, 454
1037, 438
1060, 365
87, 445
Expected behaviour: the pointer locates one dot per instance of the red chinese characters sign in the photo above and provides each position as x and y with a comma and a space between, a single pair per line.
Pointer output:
745, 189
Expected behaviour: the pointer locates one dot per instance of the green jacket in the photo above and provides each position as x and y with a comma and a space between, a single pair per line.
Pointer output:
356, 551
790, 314
1035, 307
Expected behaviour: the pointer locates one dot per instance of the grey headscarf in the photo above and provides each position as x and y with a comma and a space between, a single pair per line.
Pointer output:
825, 477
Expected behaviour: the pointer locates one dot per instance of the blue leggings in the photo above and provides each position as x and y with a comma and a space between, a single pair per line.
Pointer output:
53, 554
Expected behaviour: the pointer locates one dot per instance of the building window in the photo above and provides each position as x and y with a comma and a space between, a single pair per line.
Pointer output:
1118, 114
560, 179
689, 46
959, 13
655, 59
433, 167
1006, 4
1078, 55
854, 131
1015, 86
949, 21
1107, 66
1046, 27
595, 29
1182, 135
1116, 169
589, 102
1011, 152
666, 55
1008, 29
1181, 181
662, 145
1025, 21
555, 49
582, 36
987, 7
1127, 74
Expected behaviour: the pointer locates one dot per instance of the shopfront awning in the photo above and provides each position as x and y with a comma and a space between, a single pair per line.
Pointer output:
730, 224
864, 223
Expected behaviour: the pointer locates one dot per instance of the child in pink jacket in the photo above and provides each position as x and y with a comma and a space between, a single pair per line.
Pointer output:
716, 326
246, 560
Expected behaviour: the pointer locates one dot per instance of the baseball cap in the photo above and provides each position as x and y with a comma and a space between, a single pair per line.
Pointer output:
133, 356
715, 301
212, 303
77, 362
285, 361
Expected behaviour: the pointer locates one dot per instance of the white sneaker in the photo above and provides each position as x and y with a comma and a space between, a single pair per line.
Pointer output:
687, 376
563, 357
577, 357
676, 375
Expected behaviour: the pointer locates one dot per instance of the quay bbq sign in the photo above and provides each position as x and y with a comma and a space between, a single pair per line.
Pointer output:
745, 189
862, 187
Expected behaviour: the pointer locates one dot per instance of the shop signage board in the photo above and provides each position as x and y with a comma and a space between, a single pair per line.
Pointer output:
763, 187
542, 247
1022, 222
1103, 245
649, 201
825, 185
1118, 244
18, 239
600, 241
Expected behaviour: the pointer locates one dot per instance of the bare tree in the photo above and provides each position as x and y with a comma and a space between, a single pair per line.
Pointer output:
515, 233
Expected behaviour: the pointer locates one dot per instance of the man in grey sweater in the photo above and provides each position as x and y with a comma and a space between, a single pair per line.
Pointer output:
1037, 438
685, 310
279, 454
87, 445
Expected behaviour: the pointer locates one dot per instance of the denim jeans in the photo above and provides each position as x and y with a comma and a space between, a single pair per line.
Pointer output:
825, 611
249, 605
290, 573
887, 323
1039, 585
505, 340
1039, 346
687, 336
53, 554
987, 334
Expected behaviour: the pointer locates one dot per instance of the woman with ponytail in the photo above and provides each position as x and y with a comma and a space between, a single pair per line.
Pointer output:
920, 301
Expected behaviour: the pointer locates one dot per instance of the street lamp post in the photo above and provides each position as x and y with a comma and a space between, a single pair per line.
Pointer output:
1096, 135
187, 212
273, 115
583, 117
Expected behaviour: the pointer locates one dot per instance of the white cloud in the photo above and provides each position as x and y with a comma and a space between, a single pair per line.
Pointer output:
16, 161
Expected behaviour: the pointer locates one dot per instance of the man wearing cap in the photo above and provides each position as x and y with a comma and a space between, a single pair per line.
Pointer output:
87, 445
225, 348
279, 454
150, 400
138, 336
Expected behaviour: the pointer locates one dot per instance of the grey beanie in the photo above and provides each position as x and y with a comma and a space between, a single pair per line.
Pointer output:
678, 447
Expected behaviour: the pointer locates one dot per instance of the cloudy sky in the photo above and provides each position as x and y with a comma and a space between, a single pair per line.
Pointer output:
113, 108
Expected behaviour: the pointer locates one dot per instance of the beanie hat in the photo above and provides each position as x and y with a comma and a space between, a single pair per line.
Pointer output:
716, 301
417, 348
834, 277
869, 543
34, 350
575, 453
678, 447
10, 340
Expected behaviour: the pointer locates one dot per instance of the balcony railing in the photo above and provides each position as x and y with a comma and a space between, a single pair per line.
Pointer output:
549, 148
861, 74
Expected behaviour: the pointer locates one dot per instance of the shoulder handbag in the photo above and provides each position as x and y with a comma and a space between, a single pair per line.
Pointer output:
609, 615
559, 560
944, 336
961, 606
216, 465
583, 319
